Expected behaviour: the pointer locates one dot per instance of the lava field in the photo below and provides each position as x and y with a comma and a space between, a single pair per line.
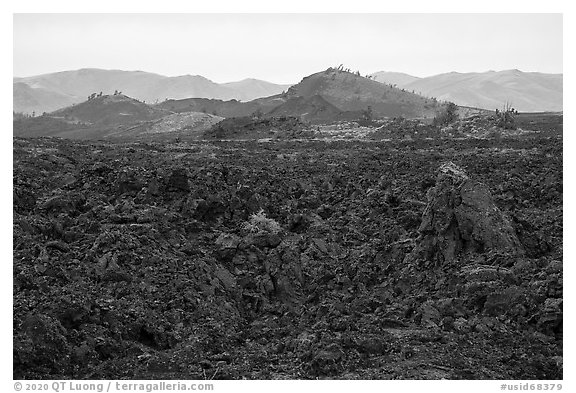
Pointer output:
424, 259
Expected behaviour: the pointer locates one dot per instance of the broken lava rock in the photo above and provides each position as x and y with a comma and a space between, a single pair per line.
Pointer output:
461, 218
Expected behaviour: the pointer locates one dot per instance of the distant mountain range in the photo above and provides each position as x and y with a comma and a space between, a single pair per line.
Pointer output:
525, 91
324, 97
48, 92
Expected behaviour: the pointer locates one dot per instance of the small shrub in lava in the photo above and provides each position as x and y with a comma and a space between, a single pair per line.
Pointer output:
258, 223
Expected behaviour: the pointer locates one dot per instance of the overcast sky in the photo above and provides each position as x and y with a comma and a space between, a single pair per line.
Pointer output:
283, 48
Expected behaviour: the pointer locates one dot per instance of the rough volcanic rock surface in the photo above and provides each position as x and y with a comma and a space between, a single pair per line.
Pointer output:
280, 260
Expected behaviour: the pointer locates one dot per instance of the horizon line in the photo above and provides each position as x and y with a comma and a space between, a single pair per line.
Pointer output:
279, 83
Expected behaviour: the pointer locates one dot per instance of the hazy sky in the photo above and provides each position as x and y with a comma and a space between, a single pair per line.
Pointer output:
283, 48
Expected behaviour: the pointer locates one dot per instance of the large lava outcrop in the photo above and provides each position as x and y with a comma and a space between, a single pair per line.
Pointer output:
461, 218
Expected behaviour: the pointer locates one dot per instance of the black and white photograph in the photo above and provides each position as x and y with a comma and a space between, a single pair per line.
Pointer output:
199, 197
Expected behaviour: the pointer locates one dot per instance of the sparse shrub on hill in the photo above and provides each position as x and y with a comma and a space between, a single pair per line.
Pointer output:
367, 119
367, 114
506, 118
447, 115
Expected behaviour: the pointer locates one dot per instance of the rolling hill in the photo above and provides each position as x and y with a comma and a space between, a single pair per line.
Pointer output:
110, 110
351, 92
113, 116
95, 118
74, 86
525, 91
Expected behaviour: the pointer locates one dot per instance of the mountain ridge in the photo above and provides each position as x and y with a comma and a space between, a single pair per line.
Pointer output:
525, 91
74, 86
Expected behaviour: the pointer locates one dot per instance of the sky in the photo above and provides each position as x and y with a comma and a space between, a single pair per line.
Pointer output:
283, 48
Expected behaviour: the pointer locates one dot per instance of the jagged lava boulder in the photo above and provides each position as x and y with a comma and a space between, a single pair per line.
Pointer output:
461, 218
